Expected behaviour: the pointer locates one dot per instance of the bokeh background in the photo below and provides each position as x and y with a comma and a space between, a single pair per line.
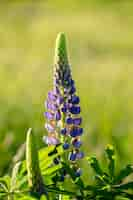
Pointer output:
100, 40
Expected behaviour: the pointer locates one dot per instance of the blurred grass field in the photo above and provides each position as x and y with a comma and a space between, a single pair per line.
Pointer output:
100, 40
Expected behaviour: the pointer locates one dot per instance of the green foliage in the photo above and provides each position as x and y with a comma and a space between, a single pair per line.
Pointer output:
109, 184
101, 45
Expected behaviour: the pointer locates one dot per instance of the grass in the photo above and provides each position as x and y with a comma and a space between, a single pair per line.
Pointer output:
100, 44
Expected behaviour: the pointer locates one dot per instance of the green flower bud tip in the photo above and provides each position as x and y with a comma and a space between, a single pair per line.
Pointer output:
61, 49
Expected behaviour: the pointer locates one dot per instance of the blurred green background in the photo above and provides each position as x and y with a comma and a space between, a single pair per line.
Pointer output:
100, 40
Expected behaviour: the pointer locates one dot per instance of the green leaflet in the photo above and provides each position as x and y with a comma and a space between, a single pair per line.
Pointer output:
46, 156
95, 165
5, 183
13, 184
125, 172
65, 197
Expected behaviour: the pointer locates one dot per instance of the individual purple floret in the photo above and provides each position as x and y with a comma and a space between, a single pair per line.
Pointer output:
49, 128
49, 140
72, 156
58, 115
49, 115
75, 110
66, 146
79, 155
69, 120
77, 121
76, 132
75, 99
77, 143
63, 131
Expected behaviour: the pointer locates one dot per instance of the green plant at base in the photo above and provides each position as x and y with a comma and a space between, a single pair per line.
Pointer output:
109, 185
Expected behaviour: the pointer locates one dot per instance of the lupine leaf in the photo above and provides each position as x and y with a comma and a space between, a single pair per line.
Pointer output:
121, 198
65, 197
49, 156
94, 163
123, 173
4, 185
124, 186
43, 197
111, 157
15, 172
52, 169
35, 179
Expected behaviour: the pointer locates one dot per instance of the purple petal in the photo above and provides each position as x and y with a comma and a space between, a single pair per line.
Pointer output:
49, 128
76, 132
49, 115
56, 90
75, 110
80, 155
77, 121
64, 109
50, 106
66, 146
50, 140
52, 96
59, 100
77, 143
75, 99
72, 90
63, 131
69, 120
58, 115
72, 156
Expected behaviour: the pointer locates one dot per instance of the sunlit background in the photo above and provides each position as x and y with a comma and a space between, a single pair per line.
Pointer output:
100, 41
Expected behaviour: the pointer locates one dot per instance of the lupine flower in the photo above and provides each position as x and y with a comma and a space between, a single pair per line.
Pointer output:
63, 109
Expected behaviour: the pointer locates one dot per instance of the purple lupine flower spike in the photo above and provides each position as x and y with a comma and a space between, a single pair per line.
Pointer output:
62, 105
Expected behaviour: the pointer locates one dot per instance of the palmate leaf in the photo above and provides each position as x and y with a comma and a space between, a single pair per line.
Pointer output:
5, 183
124, 186
46, 157
100, 176
4, 187
121, 198
94, 163
126, 171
